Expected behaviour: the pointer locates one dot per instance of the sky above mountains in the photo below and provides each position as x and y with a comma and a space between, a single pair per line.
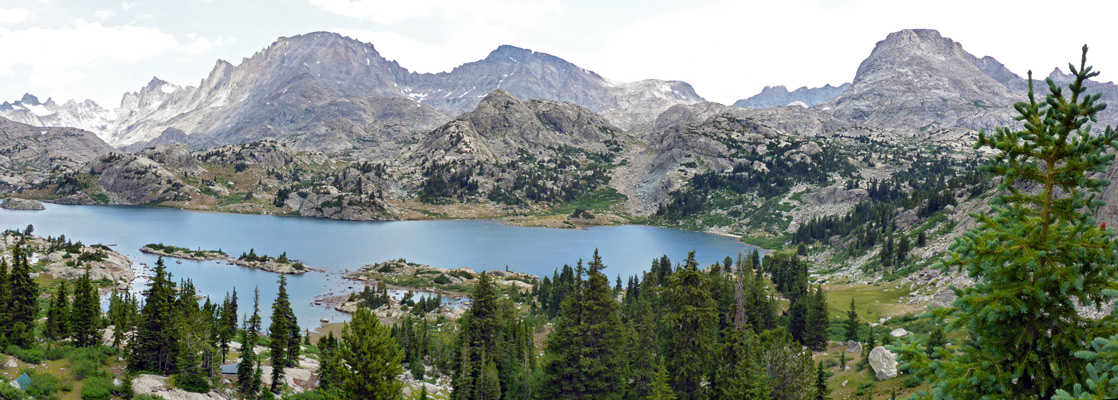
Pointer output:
727, 50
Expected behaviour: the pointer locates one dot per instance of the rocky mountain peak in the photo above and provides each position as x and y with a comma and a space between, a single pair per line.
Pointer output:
916, 80
29, 99
505, 51
776, 96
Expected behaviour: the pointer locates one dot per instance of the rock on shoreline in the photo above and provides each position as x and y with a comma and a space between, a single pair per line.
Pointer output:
268, 266
13, 203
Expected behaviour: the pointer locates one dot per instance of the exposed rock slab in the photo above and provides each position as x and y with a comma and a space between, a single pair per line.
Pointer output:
13, 203
883, 362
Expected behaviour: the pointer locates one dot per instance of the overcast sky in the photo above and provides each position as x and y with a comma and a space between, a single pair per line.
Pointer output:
728, 50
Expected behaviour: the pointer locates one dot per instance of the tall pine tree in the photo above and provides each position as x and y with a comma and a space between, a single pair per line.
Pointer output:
588, 341
691, 328
85, 323
248, 375
1037, 254
58, 314
284, 346
372, 359
155, 342
23, 300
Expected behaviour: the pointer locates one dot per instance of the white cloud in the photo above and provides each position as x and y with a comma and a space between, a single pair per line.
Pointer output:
13, 15
56, 60
104, 14
510, 12
199, 45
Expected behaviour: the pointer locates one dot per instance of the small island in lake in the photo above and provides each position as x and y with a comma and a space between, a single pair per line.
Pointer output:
280, 265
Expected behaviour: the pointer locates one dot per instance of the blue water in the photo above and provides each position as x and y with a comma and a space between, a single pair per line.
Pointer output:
339, 246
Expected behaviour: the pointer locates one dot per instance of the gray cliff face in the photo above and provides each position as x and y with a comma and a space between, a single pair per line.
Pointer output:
916, 80
776, 96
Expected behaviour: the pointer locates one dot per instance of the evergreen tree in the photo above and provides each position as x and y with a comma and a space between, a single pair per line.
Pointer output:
690, 319
85, 321
155, 342
279, 333
372, 359
938, 338
248, 371
790, 370
58, 315
587, 343
887, 251
642, 351
489, 383
818, 323
902, 249
1037, 255
227, 328
739, 375
852, 322
921, 239
5, 301
755, 261
194, 352
661, 389
481, 333
23, 300
330, 363
123, 311
797, 319
821, 390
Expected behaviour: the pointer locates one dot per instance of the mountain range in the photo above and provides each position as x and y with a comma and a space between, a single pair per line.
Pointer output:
522, 127
327, 92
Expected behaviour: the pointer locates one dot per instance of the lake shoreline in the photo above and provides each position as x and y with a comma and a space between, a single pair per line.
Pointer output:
578, 227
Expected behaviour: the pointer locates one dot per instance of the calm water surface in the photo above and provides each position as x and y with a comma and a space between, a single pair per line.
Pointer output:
338, 246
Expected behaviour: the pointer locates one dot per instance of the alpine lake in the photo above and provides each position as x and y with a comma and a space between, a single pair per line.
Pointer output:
338, 247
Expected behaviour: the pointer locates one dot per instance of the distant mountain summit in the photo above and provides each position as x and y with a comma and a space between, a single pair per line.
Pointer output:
324, 91
916, 80
776, 96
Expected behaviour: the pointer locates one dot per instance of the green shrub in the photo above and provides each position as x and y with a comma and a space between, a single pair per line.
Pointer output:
912, 382
146, 397
192, 382
30, 356
88, 360
10, 393
57, 353
98, 387
442, 279
465, 275
43, 385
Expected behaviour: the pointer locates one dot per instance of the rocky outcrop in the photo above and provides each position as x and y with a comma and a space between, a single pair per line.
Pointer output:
135, 179
30, 154
884, 363
61, 263
298, 379
13, 203
502, 126
776, 96
853, 347
80, 198
159, 386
